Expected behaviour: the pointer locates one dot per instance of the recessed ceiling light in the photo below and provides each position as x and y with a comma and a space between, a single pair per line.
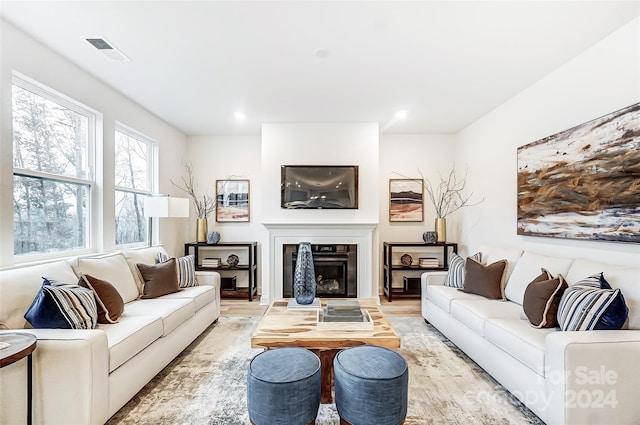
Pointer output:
401, 114
321, 53
239, 116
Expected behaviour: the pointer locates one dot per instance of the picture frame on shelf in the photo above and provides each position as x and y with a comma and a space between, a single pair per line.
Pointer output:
406, 200
232, 197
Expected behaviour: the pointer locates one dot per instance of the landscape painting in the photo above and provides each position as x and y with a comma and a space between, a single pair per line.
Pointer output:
583, 183
406, 200
232, 200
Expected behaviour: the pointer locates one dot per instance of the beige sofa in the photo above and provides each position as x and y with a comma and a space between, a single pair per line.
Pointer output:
579, 377
85, 376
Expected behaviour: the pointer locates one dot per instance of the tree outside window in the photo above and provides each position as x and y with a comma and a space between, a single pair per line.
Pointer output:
133, 177
52, 138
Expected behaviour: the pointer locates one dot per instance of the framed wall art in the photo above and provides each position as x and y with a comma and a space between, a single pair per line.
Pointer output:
583, 183
406, 200
232, 197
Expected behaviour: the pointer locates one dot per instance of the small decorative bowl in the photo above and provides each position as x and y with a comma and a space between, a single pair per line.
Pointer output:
233, 260
406, 260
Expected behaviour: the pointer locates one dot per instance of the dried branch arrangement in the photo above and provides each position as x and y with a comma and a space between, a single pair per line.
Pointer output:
204, 205
447, 197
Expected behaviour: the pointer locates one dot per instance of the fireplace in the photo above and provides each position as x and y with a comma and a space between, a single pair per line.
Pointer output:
335, 268
358, 234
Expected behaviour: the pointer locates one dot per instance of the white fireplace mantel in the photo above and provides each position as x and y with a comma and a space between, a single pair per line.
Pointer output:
360, 234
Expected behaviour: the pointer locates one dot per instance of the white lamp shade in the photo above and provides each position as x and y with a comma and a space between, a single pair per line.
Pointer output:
166, 206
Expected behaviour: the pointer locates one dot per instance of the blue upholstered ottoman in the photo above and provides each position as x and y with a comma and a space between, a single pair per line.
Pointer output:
283, 387
371, 386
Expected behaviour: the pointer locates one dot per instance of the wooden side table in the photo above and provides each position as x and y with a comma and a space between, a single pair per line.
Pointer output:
22, 345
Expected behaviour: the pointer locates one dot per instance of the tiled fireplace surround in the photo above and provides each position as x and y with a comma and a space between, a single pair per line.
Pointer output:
360, 234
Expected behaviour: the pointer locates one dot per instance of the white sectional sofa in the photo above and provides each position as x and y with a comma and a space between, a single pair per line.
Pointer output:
83, 377
578, 377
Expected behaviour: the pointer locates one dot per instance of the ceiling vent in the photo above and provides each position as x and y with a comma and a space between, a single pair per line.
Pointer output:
107, 49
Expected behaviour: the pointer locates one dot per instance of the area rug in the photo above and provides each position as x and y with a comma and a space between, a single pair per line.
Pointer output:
206, 384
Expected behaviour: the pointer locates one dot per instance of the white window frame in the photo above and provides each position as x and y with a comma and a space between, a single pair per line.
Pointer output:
152, 155
93, 118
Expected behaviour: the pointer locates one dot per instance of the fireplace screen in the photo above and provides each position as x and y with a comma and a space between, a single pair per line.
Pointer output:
335, 269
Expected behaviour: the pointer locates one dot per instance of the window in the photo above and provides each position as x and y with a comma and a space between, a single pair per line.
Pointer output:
134, 171
53, 141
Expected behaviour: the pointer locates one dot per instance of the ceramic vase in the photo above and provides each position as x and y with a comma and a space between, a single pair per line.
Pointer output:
441, 229
429, 237
304, 278
201, 230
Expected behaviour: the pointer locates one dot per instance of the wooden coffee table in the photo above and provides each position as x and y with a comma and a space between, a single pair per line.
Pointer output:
283, 327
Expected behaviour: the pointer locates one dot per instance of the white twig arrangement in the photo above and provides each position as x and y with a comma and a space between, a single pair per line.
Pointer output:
204, 205
447, 197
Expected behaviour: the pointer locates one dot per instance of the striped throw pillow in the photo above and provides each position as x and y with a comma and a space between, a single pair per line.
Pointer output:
186, 269
455, 275
592, 304
62, 305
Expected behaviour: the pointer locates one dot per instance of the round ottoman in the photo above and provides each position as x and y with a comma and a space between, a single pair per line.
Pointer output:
283, 387
371, 386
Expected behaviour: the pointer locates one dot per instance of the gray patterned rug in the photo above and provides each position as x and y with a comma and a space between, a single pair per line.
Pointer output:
206, 384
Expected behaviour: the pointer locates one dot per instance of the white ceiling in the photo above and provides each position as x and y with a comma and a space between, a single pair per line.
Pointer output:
195, 63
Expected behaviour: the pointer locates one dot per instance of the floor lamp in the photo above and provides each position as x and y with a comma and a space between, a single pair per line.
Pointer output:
159, 206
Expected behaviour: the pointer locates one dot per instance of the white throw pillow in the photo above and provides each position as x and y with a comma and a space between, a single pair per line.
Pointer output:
527, 268
146, 255
115, 270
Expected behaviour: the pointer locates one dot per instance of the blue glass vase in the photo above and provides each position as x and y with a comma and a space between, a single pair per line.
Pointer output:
304, 278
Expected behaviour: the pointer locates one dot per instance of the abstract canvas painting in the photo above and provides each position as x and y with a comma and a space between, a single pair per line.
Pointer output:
584, 182
405, 200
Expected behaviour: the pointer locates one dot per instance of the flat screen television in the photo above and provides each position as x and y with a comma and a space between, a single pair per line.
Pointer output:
319, 187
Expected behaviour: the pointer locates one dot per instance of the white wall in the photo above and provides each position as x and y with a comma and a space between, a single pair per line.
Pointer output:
603, 79
21, 53
410, 156
229, 157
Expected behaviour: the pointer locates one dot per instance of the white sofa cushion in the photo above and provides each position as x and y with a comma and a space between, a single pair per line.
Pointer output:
146, 255
492, 254
130, 336
520, 340
173, 312
115, 270
474, 313
201, 295
625, 278
443, 295
23, 284
527, 268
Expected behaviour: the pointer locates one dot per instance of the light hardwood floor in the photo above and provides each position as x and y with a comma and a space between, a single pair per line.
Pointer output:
243, 308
